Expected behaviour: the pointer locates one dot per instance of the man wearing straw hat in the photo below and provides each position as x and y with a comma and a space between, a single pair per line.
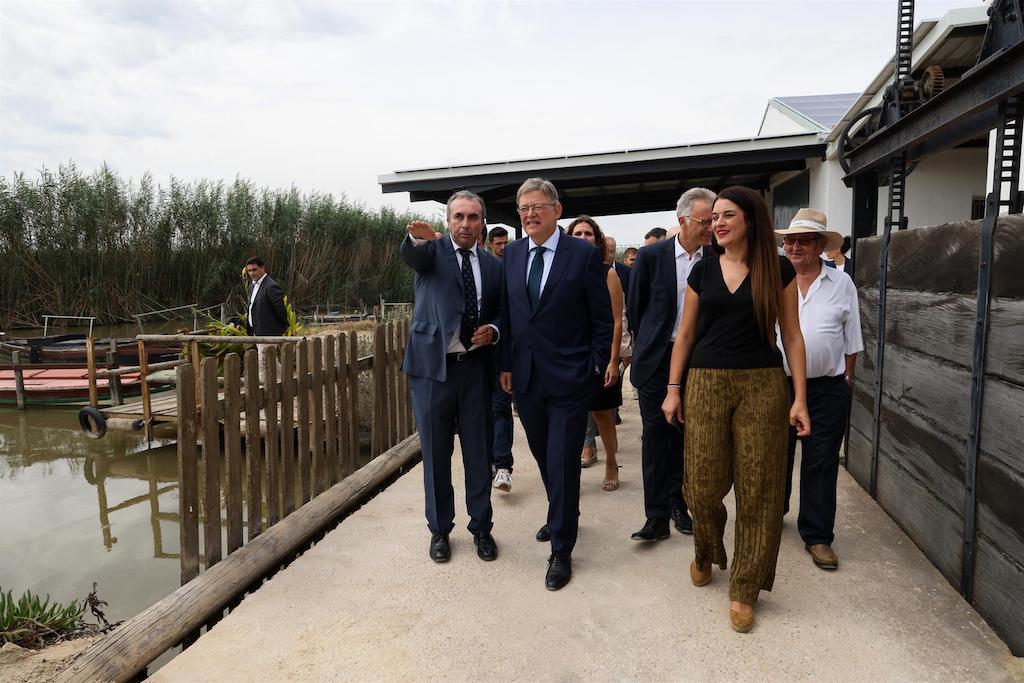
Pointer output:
830, 322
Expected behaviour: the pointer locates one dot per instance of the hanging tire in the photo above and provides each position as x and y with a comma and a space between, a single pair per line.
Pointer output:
92, 422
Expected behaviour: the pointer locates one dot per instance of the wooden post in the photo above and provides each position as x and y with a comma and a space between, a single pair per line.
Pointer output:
211, 461
270, 392
410, 416
90, 359
392, 388
188, 475
352, 454
400, 384
302, 391
19, 379
147, 410
114, 382
379, 428
288, 428
253, 451
195, 364
233, 447
342, 386
317, 431
330, 411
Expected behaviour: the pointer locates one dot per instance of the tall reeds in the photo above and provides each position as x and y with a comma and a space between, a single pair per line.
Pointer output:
76, 244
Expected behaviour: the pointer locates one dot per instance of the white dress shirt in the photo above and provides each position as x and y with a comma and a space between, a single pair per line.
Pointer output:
684, 264
252, 294
830, 322
549, 257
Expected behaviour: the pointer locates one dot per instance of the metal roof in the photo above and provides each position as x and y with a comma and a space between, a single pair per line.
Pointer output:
824, 111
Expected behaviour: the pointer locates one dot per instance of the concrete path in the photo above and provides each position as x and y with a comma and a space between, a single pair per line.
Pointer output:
367, 604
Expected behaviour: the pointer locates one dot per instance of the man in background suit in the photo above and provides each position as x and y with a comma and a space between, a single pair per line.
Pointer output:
558, 319
654, 309
266, 316
455, 322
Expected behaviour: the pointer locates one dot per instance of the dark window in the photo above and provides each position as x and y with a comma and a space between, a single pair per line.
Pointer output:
789, 197
977, 208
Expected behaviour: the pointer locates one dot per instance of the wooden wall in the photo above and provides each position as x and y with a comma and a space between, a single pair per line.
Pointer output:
930, 323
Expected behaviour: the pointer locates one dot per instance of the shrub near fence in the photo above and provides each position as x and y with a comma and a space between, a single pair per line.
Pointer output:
95, 244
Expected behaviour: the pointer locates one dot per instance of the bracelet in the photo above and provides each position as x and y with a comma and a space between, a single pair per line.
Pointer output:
675, 385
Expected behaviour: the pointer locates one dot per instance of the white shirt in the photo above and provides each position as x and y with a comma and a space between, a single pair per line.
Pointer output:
252, 295
830, 323
549, 257
684, 264
455, 344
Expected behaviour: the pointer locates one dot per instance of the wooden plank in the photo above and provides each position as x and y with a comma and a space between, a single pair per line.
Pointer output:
379, 426
90, 360
858, 461
1009, 254
233, 448
19, 380
114, 382
302, 390
195, 357
402, 383
1000, 513
270, 397
188, 475
287, 429
211, 461
343, 412
999, 593
392, 385
1002, 422
352, 453
330, 411
317, 416
123, 653
253, 451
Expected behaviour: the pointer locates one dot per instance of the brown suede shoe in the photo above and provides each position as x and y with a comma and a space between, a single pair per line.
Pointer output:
823, 556
700, 577
741, 623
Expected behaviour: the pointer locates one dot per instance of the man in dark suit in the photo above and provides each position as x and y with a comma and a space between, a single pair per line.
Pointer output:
558, 324
455, 322
267, 316
654, 309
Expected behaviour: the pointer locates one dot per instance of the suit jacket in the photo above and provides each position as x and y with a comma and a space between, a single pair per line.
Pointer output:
269, 317
651, 306
569, 335
439, 303
622, 270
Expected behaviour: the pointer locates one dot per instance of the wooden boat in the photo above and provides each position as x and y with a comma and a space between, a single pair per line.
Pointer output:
70, 349
57, 386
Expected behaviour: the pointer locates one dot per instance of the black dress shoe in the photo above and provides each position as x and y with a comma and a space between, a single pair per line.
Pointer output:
544, 534
440, 551
682, 522
486, 548
656, 529
559, 572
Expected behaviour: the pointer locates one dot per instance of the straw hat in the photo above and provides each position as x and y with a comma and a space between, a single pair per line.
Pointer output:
812, 221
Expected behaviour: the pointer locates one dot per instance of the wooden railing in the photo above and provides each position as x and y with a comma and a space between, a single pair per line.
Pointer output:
290, 446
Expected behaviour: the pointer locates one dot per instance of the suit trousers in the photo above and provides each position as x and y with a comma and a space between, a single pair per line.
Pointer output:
661, 447
828, 402
501, 441
736, 431
555, 426
465, 395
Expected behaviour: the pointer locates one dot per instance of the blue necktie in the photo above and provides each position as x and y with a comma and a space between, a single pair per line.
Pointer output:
535, 277
469, 312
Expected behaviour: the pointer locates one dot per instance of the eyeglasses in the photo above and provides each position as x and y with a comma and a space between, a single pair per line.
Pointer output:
527, 208
705, 223
802, 241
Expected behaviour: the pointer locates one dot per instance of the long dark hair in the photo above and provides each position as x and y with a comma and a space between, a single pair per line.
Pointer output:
762, 256
599, 241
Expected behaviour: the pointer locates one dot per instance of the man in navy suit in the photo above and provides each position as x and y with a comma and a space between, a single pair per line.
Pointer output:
448, 359
558, 324
654, 309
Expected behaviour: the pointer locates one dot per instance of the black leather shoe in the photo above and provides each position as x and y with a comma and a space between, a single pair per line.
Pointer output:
682, 522
486, 548
656, 529
559, 572
544, 535
440, 551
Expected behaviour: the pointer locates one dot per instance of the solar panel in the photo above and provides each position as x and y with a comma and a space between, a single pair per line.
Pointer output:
825, 110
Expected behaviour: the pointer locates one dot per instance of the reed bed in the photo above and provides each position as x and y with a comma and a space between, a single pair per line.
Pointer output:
95, 244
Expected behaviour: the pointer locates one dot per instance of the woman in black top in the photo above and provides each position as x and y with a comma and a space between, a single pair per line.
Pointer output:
737, 398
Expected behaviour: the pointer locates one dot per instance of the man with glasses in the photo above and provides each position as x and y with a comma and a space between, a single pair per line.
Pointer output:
654, 309
830, 322
558, 336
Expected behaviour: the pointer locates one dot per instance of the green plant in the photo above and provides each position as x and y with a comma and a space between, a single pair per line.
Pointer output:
27, 621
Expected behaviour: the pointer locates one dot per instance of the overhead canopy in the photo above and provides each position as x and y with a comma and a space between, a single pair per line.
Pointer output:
609, 183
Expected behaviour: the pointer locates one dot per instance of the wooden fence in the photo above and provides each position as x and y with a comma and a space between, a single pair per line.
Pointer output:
290, 447
915, 458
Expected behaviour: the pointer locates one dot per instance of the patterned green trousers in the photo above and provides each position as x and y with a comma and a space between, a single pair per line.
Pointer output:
737, 425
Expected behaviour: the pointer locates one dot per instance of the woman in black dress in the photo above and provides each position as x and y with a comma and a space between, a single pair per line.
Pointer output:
608, 394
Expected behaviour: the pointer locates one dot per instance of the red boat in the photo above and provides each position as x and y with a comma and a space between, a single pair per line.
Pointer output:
54, 386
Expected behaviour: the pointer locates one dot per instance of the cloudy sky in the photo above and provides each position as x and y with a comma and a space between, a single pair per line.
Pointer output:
326, 96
